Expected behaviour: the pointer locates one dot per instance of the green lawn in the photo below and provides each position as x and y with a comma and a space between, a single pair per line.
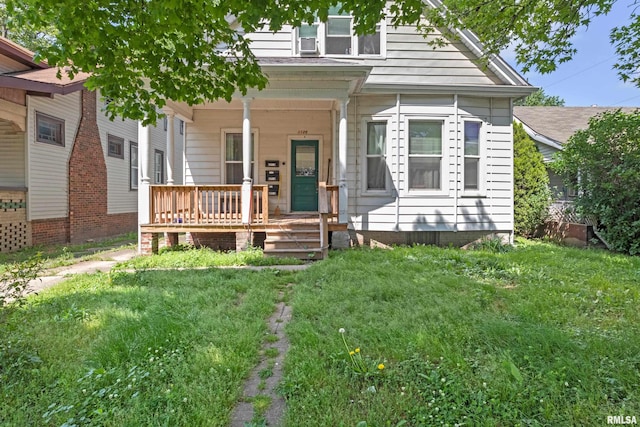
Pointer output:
539, 335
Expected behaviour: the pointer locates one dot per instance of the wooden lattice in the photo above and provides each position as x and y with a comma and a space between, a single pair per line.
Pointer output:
564, 211
14, 228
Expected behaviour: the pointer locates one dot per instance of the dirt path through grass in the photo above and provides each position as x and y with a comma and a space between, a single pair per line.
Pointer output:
260, 404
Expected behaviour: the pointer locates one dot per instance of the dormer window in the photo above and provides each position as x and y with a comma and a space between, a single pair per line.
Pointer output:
337, 38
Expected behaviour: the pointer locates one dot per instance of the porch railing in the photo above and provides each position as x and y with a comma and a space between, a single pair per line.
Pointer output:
206, 204
220, 204
332, 201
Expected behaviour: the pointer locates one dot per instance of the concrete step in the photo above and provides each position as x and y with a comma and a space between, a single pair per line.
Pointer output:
297, 244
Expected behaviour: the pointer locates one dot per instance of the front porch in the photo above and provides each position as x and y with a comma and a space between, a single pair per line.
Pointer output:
216, 210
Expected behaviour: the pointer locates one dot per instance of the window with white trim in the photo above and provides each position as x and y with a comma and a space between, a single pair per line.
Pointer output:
133, 166
337, 37
376, 162
233, 157
49, 129
425, 154
158, 167
472, 148
115, 146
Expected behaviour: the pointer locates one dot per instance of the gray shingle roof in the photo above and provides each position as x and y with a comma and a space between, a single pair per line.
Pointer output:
559, 123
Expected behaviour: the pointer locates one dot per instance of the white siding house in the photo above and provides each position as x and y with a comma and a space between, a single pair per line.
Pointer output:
60, 178
417, 140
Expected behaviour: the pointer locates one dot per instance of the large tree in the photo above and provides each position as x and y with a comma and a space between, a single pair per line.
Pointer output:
24, 33
141, 52
603, 162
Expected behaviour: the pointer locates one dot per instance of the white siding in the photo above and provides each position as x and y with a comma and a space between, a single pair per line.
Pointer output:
411, 60
267, 43
274, 129
48, 164
490, 209
12, 161
546, 151
121, 199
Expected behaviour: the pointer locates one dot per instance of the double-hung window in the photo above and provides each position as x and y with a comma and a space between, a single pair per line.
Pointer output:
336, 37
233, 157
158, 167
133, 166
425, 154
472, 148
376, 163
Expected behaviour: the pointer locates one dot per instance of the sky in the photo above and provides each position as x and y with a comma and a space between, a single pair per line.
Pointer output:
589, 78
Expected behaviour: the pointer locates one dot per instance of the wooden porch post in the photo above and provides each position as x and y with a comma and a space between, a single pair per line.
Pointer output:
246, 162
342, 164
144, 190
171, 146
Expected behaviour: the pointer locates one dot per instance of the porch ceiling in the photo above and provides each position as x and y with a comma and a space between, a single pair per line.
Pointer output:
271, 104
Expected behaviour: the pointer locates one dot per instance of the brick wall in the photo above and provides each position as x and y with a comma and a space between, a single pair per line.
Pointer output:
87, 178
50, 231
120, 224
215, 241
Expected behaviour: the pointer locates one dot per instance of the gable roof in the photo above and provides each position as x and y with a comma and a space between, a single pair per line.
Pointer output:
40, 78
19, 54
554, 126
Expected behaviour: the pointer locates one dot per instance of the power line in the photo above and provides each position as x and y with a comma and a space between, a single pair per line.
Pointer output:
580, 72
625, 100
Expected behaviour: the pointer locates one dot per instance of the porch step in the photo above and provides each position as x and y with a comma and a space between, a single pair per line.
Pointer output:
296, 241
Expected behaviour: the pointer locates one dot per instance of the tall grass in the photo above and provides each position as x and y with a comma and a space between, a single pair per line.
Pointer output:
540, 335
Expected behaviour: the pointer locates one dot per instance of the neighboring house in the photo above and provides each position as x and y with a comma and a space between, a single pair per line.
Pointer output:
67, 173
414, 144
551, 128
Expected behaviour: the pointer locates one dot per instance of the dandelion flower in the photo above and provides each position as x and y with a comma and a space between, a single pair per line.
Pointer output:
381, 366
341, 330
351, 353
358, 350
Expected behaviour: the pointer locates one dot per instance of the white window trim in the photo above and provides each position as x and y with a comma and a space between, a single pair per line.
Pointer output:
321, 36
444, 165
482, 162
364, 139
132, 167
223, 156
162, 167
58, 122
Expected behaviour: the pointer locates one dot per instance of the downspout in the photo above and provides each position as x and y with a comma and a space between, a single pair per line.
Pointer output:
457, 171
397, 184
513, 225
356, 125
489, 157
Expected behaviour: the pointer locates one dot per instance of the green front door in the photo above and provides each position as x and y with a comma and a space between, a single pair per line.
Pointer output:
304, 175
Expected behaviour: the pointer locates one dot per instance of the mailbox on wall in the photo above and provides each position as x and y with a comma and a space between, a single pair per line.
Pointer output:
272, 163
272, 175
273, 189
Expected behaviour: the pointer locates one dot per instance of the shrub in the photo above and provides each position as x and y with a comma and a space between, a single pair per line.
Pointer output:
603, 162
531, 184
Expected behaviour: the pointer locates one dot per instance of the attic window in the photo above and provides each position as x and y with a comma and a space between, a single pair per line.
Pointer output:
49, 129
336, 37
